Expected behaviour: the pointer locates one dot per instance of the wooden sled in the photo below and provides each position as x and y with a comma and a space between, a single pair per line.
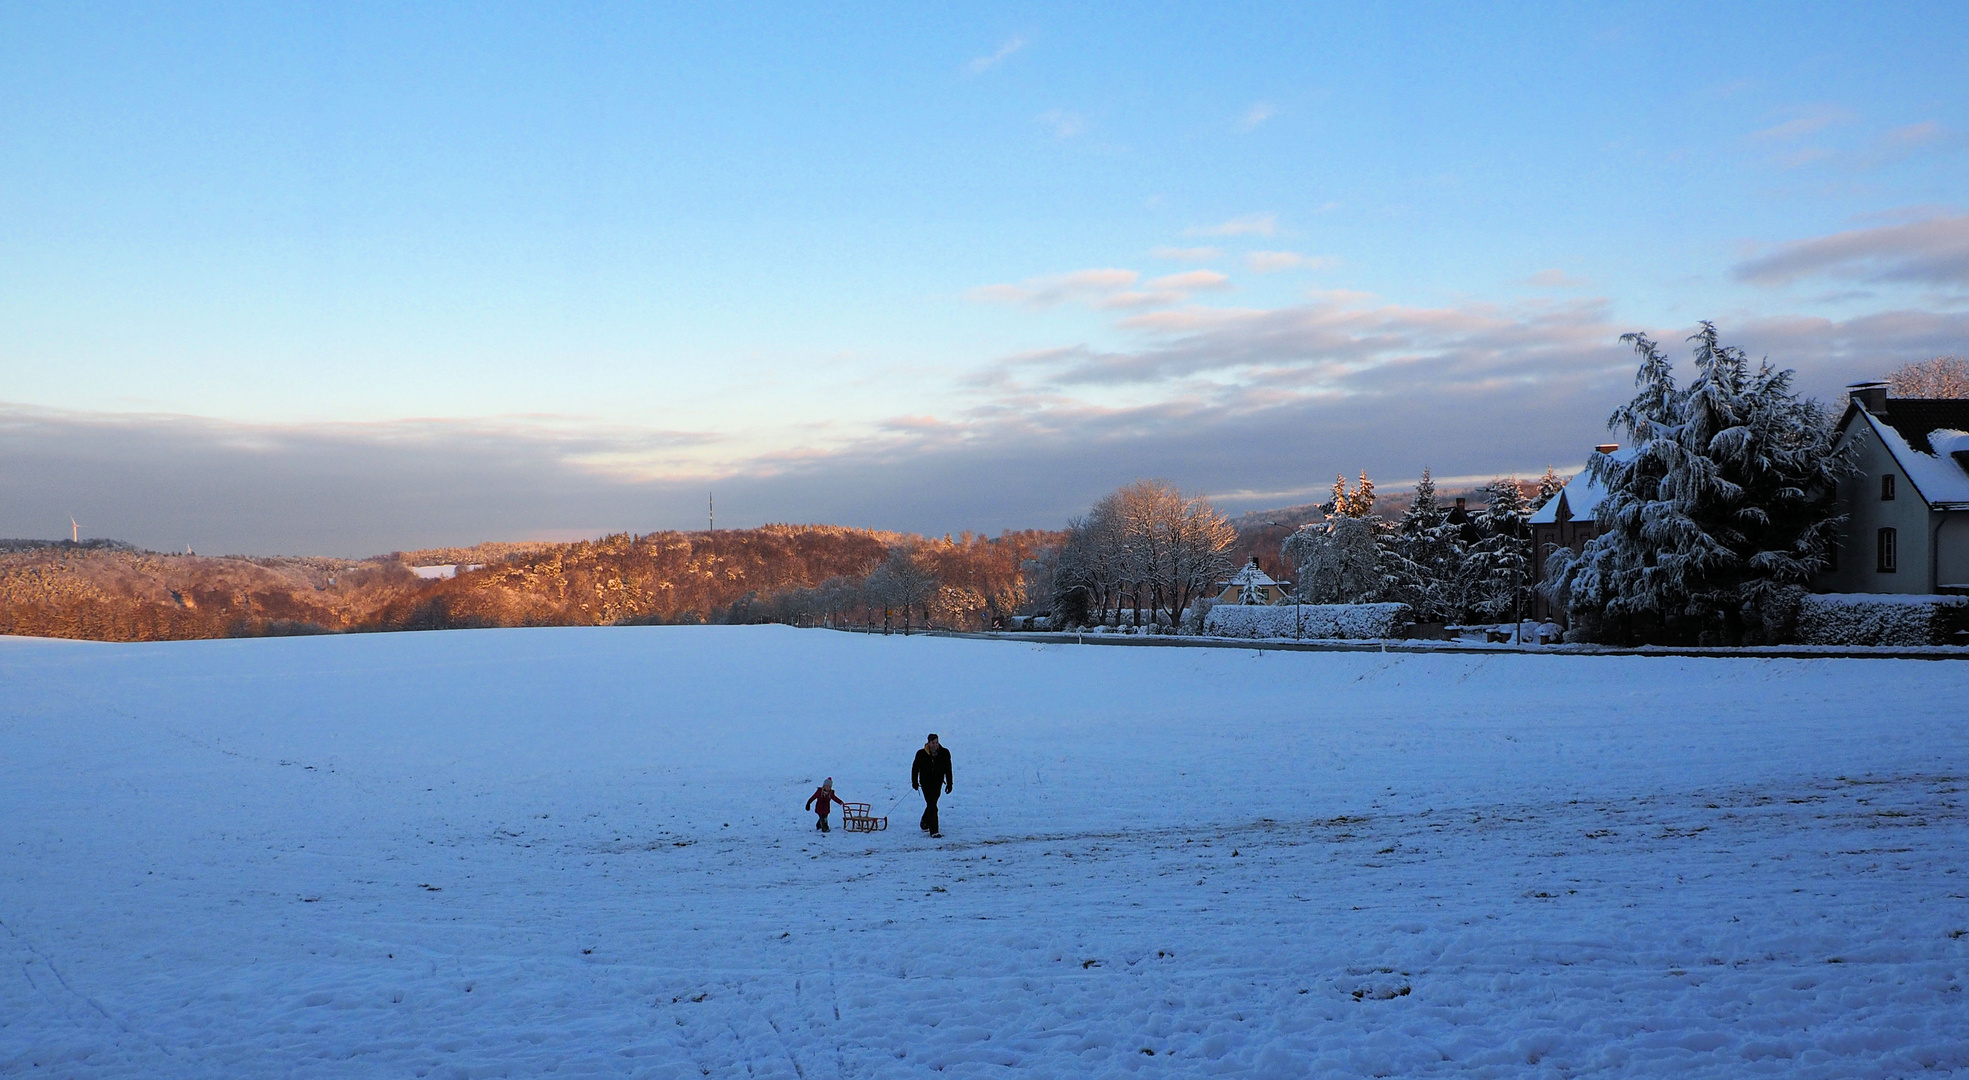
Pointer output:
859, 817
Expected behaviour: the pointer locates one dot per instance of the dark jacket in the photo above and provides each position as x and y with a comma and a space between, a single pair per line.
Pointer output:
826, 798
929, 770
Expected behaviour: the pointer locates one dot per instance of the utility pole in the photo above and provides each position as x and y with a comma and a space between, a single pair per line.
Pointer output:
711, 512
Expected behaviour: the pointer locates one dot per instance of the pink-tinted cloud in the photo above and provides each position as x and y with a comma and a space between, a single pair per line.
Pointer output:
1250, 225
1191, 281
1554, 279
1934, 252
1915, 134
1268, 262
1190, 254
1082, 285
1107, 289
1806, 122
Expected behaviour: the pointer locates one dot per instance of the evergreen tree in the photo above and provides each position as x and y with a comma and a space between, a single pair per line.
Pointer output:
1501, 560
1721, 505
1361, 503
1358, 503
1336, 505
1421, 553
1339, 562
1424, 512
1548, 486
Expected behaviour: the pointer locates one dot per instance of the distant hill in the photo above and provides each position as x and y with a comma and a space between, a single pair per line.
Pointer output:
1293, 516
111, 591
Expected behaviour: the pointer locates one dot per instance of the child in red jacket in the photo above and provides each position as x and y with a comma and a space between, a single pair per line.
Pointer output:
821, 802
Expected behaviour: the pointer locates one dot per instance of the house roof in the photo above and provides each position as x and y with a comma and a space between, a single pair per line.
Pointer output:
1929, 439
1249, 574
1914, 418
1580, 497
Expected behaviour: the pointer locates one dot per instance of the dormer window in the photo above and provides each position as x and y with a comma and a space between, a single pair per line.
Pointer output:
1886, 487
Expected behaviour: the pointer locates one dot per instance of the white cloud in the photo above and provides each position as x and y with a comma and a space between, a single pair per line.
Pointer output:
1065, 124
985, 63
1258, 113
1194, 254
1267, 262
1250, 225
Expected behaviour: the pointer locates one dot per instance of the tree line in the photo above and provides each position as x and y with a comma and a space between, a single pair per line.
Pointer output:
1447, 565
793, 573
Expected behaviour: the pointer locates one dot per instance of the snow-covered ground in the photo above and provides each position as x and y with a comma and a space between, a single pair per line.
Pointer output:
581, 852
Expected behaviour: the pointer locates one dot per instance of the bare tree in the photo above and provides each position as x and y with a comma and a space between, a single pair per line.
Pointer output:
902, 581
1199, 553
1146, 545
1091, 575
1941, 377
838, 596
1149, 509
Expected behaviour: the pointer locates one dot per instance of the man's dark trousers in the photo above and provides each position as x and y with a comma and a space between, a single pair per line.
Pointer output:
930, 793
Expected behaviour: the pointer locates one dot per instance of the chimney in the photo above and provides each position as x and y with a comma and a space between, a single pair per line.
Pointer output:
1871, 396
1606, 448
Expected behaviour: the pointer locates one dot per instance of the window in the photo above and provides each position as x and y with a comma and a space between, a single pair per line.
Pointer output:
1886, 487
1885, 550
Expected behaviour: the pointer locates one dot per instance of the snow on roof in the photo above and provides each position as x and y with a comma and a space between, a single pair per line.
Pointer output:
1581, 495
1249, 574
1940, 479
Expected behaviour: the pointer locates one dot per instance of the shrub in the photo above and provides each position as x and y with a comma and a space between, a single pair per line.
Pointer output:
1881, 619
1348, 621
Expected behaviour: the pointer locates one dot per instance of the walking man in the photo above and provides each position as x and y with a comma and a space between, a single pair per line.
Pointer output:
932, 768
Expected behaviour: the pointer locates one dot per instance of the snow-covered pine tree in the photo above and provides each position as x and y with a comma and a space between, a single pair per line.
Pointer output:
1361, 503
1548, 486
1420, 553
1339, 562
1722, 504
1424, 512
1337, 505
1501, 561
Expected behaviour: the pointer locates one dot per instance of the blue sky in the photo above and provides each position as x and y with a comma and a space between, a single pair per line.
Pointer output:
343, 279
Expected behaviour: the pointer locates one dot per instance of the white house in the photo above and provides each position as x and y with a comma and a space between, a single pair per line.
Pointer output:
1907, 506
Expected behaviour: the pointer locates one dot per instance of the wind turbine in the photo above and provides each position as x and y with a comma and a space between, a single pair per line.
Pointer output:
74, 530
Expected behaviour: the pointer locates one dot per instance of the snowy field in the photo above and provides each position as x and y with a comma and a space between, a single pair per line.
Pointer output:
581, 852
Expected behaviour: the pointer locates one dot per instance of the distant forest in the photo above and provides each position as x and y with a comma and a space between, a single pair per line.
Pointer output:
107, 591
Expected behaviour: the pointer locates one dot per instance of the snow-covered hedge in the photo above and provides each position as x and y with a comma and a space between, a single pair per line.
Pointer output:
1312, 620
1879, 619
